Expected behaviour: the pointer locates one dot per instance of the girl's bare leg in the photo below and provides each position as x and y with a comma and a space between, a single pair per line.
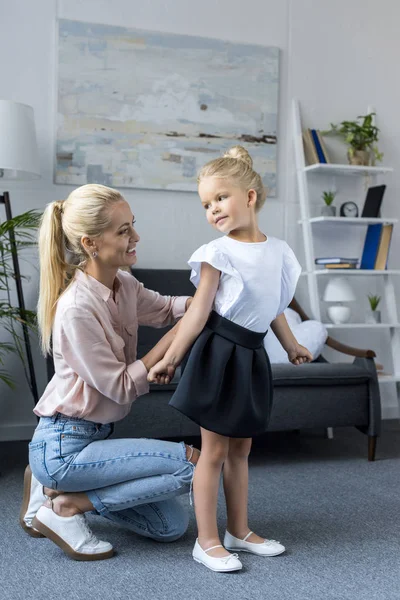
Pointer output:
214, 450
236, 485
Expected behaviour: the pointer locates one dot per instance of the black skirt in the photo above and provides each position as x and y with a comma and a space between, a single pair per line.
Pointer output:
226, 380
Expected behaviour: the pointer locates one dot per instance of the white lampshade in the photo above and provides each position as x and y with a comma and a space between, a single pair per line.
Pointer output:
339, 290
19, 156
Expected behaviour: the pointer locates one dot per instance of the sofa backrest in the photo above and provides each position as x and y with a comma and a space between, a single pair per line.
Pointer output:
168, 282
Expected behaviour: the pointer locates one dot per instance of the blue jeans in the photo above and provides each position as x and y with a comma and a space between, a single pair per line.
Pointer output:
133, 482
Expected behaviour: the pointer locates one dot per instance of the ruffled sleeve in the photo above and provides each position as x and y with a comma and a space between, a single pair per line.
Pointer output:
230, 284
291, 270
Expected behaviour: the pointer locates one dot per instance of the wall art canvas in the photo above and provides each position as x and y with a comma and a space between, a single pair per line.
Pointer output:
144, 109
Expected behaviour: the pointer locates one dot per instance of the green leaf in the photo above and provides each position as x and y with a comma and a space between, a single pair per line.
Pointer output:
7, 379
374, 301
24, 228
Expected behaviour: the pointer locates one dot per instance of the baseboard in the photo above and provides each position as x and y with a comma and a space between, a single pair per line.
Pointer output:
12, 433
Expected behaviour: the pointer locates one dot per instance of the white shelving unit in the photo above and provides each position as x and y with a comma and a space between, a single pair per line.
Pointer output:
309, 223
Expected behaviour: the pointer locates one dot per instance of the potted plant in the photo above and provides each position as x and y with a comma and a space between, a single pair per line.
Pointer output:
361, 136
328, 210
374, 316
24, 227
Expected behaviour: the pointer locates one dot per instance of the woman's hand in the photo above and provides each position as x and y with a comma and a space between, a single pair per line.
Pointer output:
162, 372
299, 355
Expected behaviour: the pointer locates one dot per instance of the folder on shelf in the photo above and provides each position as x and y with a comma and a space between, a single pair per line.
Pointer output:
371, 246
384, 245
373, 201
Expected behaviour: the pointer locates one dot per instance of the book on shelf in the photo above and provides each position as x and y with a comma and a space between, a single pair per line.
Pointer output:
335, 259
310, 152
340, 265
376, 247
316, 136
371, 246
323, 147
314, 147
383, 250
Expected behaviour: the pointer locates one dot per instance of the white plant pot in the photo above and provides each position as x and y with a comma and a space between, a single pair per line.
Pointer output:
374, 316
339, 314
328, 211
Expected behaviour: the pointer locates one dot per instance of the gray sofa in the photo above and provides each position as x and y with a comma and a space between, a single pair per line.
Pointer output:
319, 394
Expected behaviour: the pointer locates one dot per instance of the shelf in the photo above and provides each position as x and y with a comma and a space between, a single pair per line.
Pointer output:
349, 220
359, 272
313, 224
362, 325
388, 378
336, 169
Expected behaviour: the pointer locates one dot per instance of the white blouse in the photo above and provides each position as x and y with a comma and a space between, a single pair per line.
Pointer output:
257, 282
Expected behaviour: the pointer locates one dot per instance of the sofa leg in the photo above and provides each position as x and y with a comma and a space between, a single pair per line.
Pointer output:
371, 447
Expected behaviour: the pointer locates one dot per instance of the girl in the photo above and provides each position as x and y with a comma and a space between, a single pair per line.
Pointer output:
92, 309
226, 385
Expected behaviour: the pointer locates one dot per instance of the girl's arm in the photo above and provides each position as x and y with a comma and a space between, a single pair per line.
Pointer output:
190, 326
297, 354
158, 351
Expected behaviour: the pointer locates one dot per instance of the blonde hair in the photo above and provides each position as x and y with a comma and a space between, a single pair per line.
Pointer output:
236, 164
86, 212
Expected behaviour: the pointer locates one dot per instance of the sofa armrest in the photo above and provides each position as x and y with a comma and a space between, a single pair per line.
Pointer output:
375, 413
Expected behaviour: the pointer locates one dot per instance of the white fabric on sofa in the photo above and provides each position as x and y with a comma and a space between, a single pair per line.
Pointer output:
311, 334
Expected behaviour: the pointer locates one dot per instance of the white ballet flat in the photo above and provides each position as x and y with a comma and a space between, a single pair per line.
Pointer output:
266, 548
224, 564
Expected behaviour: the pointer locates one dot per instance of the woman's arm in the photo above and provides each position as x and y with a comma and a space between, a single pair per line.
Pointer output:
84, 349
297, 354
190, 326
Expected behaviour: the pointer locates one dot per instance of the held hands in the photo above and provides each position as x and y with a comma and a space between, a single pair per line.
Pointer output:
299, 355
162, 372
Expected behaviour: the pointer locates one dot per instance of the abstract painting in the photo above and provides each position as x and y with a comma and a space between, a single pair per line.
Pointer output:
144, 109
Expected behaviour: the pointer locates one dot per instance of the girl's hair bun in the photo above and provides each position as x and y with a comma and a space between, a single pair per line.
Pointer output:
239, 153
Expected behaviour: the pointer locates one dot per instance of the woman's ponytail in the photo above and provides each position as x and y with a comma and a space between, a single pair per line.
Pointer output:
53, 269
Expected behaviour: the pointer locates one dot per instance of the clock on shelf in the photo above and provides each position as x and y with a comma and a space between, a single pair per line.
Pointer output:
349, 209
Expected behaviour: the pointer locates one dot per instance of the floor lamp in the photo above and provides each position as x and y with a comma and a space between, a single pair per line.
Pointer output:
19, 160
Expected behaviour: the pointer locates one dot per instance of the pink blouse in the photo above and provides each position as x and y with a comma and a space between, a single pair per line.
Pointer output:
97, 376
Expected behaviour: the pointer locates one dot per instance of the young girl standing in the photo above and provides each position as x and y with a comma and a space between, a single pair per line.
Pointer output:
248, 279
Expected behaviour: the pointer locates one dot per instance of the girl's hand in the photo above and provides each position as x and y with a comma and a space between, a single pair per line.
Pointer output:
299, 355
162, 372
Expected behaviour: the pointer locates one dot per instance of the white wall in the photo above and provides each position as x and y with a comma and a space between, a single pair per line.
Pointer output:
337, 58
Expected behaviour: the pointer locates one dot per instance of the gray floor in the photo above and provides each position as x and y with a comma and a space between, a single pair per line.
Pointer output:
337, 514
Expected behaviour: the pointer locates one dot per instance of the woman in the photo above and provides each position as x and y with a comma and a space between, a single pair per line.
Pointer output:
91, 310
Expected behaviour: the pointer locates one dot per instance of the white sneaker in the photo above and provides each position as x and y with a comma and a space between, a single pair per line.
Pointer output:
224, 564
71, 534
32, 500
266, 548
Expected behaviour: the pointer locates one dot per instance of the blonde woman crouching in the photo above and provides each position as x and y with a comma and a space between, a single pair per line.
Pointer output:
91, 310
